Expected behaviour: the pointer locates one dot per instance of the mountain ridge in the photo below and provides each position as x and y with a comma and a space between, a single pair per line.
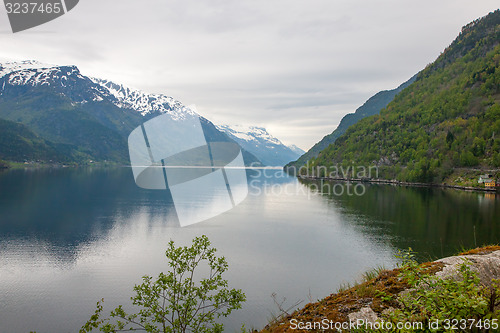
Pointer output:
372, 106
446, 121
257, 140
90, 117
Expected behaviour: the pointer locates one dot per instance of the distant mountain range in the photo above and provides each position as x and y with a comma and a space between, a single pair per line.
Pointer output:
297, 150
54, 113
444, 127
371, 107
258, 141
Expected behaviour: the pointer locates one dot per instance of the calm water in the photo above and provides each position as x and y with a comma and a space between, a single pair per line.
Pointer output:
70, 237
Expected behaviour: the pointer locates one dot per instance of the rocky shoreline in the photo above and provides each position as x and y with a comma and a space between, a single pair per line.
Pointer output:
369, 300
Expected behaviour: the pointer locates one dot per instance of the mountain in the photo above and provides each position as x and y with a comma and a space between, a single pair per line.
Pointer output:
259, 142
297, 150
442, 126
84, 118
371, 107
19, 143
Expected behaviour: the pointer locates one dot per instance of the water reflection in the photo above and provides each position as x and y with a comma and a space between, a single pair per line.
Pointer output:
69, 237
68, 206
435, 222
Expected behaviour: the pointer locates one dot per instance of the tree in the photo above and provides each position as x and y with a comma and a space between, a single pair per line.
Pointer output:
180, 300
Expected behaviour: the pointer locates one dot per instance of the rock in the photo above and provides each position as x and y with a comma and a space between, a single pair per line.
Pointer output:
366, 314
487, 266
348, 305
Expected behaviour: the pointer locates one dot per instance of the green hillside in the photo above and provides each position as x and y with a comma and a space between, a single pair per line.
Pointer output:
447, 120
18, 143
80, 128
71, 120
371, 107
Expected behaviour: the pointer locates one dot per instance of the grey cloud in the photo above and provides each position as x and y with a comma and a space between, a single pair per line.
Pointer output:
294, 66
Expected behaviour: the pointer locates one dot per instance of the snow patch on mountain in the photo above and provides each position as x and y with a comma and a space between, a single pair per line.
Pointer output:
143, 102
83, 89
35, 73
297, 150
9, 67
270, 150
249, 133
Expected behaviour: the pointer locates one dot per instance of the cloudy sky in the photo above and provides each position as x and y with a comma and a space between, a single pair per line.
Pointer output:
295, 67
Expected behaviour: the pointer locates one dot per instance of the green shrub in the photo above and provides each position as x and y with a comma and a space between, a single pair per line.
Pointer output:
176, 302
442, 300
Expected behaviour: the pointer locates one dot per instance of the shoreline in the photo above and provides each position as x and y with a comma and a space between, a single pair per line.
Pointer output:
17, 165
372, 297
22, 165
401, 183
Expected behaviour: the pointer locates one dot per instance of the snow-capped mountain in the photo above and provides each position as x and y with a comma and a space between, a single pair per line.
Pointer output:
33, 73
297, 150
85, 118
258, 141
142, 102
12, 66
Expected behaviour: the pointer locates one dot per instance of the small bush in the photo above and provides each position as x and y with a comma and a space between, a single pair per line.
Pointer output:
177, 301
434, 299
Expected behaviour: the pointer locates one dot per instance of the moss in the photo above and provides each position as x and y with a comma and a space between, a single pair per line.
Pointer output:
378, 293
481, 250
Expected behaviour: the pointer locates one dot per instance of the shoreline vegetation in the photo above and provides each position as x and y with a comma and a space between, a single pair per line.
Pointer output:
440, 128
401, 183
428, 288
9, 165
466, 179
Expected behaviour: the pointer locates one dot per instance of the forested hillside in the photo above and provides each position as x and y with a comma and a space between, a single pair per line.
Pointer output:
448, 119
19, 143
371, 107
54, 114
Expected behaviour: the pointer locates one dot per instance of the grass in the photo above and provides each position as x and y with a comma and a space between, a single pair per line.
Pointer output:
373, 273
481, 250
378, 289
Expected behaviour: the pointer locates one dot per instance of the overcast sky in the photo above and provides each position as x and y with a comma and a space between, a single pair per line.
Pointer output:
295, 67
